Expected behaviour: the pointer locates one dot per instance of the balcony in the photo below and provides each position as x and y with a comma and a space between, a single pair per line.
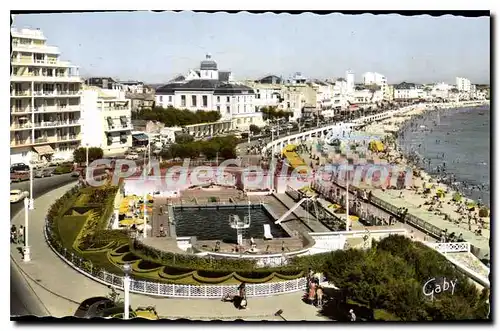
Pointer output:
30, 77
20, 126
34, 48
53, 94
20, 142
20, 110
56, 123
26, 93
56, 109
54, 63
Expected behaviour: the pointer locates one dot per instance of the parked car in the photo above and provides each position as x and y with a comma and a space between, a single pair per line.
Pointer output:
19, 167
18, 195
45, 172
132, 156
18, 176
57, 161
36, 164
94, 307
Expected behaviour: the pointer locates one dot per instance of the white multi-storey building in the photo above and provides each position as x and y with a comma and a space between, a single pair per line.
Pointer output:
463, 84
374, 78
407, 92
44, 100
106, 120
210, 89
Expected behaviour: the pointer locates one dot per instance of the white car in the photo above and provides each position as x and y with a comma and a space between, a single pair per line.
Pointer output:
56, 161
36, 164
18, 195
132, 156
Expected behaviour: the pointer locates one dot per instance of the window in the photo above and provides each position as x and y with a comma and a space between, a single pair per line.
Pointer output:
205, 101
183, 101
161, 98
169, 98
228, 100
193, 100
218, 99
228, 109
218, 108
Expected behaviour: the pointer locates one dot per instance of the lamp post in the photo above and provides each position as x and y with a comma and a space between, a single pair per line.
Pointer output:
87, 161
348, 221
31, 201
126, 288
26, 249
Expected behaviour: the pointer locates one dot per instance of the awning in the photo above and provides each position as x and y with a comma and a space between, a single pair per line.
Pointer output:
140, 137
43, 150
110, 120
123, 119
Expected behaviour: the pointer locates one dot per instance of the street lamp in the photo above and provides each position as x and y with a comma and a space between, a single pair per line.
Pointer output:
126, 287
26, 249
31, 201
87, 161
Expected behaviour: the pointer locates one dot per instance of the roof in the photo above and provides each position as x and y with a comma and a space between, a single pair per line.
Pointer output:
140, 136
179, 78
271, 79
341, 80
216, 86
208, 65
405, 86
224, 76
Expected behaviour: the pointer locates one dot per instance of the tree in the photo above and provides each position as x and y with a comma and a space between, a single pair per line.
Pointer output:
183, 138
177, 117
254, 129
80, 154
210, 149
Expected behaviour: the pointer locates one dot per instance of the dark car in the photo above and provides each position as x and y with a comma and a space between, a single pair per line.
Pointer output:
19, 167
96, 307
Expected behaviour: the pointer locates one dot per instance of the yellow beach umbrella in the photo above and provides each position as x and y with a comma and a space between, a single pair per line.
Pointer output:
131, 221
353, 218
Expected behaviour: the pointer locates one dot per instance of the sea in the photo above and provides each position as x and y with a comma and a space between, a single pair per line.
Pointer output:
456, 140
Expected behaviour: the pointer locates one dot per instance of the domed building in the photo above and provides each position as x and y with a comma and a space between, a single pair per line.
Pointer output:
210, 89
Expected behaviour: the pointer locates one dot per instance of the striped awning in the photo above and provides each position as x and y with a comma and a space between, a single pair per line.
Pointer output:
140, 137
43, 150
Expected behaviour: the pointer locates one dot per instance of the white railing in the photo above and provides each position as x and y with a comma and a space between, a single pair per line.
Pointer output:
451, 247
170, 290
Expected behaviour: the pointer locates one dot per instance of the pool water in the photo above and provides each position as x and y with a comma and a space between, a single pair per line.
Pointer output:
213, 224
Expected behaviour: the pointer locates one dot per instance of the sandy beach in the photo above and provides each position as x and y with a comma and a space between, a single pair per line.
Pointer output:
420, 198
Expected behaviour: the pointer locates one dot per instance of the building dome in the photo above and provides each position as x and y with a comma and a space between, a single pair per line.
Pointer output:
208, 64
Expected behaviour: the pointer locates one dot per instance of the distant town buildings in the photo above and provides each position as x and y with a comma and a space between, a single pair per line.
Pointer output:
209, 89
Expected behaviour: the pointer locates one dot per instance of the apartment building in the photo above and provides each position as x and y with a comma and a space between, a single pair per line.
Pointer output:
463, 84
106, 120
374, 78
407, 92
45, 95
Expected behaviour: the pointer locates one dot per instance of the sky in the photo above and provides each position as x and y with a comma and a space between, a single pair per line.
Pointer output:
154, 47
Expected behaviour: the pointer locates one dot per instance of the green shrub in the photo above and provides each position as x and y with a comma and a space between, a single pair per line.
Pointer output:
63, 169
484, 212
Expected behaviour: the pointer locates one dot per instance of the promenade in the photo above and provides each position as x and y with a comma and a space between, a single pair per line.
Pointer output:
61, 288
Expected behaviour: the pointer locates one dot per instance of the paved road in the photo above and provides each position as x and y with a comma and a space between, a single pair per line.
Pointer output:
23, 300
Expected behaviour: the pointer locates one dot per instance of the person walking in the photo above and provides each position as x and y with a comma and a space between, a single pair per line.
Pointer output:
20, 235
319, 296
312, 291
13, 234
162, 231
353, 316
243, 295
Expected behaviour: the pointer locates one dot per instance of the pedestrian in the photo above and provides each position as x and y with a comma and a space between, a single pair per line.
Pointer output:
162, 231
319, 296
353, 316
20, 235
312, 291
243, 295
161, 210
13, 234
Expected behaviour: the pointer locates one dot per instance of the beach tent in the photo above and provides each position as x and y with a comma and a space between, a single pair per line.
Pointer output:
440, 193
376, 146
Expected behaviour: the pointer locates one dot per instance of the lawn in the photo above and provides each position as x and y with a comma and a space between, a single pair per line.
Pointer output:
69, 227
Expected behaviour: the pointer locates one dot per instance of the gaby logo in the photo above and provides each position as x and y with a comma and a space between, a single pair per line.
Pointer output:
435, 286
